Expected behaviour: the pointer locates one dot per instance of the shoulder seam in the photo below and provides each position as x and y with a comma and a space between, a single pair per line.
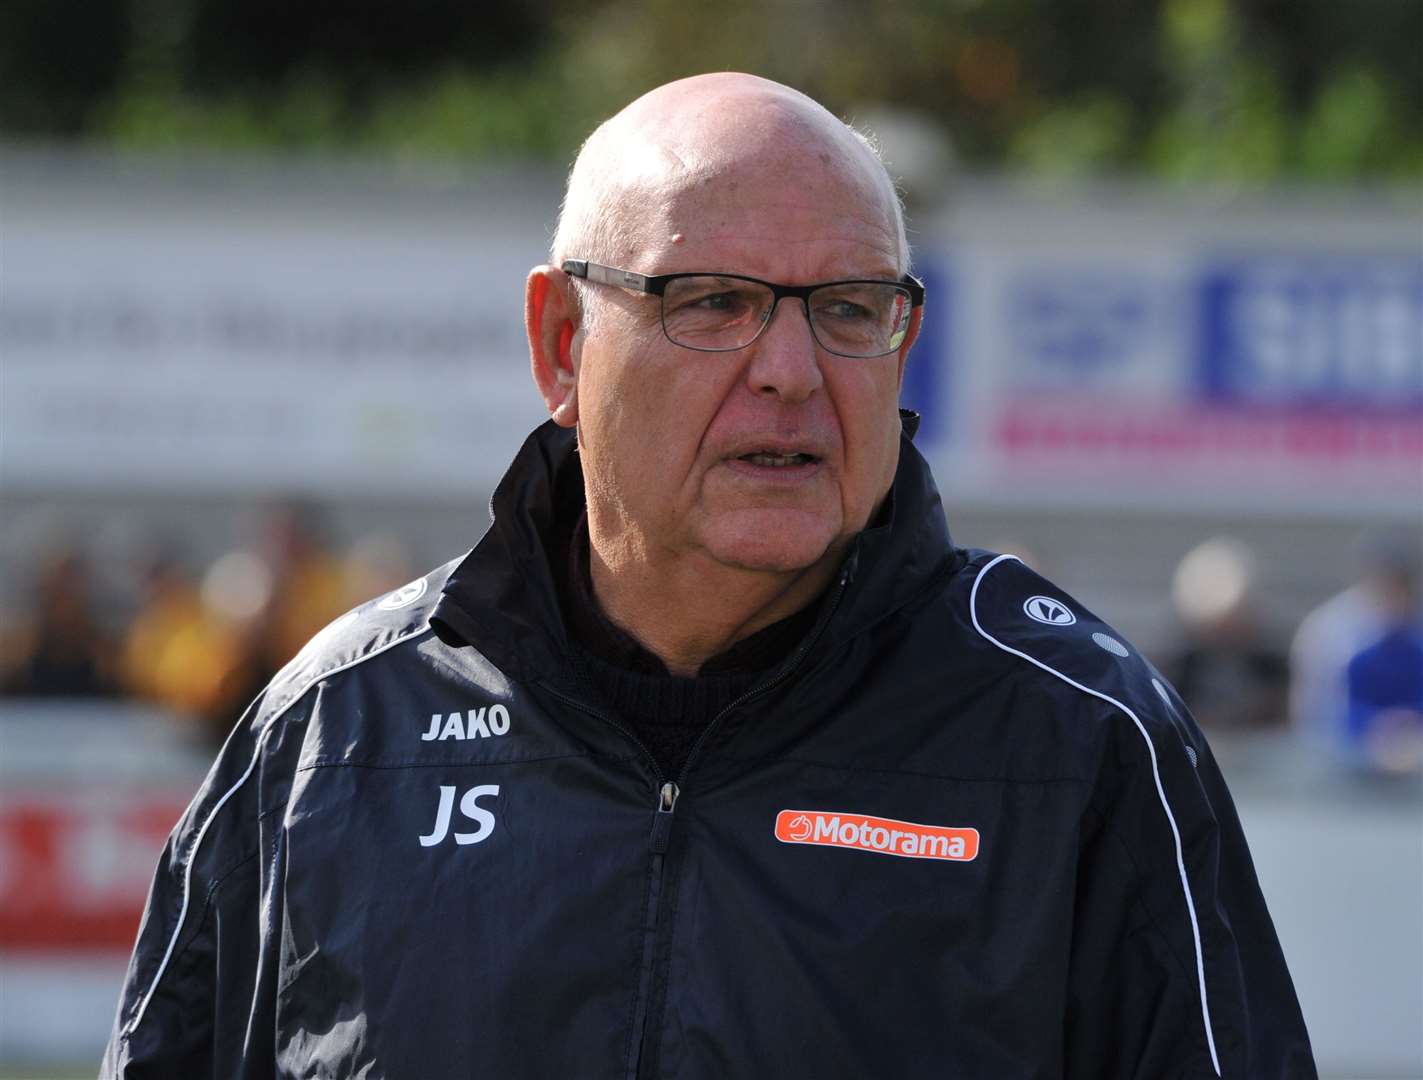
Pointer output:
1155, 773
261, 739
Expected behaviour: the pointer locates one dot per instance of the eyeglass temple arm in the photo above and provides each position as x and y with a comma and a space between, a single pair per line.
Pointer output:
605, 275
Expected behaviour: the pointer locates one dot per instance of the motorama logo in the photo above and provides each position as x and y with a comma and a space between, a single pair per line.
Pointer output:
800, 828
881, 836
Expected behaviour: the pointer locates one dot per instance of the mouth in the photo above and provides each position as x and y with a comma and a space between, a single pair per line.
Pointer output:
771, 459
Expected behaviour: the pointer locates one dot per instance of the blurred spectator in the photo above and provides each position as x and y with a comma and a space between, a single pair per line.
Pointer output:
1356, 663
214, 665
1229, 675
308, 582
58, 648
1324, 643
210, 651
169, 608
1384, 678
201, 649
1386, 700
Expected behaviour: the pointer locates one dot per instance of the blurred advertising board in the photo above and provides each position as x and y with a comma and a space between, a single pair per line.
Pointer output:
198, 332
75, 866
88, 794
1182, 376
215, 330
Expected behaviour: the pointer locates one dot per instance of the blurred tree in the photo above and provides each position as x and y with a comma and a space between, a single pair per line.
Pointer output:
364, 45
1237, 90
58, 60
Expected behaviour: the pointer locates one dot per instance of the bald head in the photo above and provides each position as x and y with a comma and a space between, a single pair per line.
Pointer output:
699, 131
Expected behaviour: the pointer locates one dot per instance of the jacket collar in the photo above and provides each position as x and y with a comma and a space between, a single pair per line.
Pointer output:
503, 600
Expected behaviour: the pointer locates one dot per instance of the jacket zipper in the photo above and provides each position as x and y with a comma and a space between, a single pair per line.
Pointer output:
661, 830
667, 794
662, 824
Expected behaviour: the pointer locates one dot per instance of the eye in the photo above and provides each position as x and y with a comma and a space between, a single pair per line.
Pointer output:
849, 303
717, 301
846, 309
711, 296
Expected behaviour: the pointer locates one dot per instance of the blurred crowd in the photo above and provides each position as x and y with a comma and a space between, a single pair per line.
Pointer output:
203, 644
1349, 679
200, 643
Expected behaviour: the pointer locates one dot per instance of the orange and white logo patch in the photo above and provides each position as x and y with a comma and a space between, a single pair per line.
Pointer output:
883, 836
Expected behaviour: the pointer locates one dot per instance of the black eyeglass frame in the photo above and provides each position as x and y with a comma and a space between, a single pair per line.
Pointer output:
656, 285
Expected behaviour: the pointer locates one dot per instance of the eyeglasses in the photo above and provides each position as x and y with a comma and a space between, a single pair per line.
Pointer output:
725, 312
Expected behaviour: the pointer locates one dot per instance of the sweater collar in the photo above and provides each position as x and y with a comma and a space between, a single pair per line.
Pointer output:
592, 630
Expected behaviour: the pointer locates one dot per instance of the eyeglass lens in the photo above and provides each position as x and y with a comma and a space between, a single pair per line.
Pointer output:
717, 314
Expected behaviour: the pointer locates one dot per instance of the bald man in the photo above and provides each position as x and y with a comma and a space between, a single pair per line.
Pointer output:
715, 757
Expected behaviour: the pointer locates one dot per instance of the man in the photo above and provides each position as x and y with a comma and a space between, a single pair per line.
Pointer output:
715, 758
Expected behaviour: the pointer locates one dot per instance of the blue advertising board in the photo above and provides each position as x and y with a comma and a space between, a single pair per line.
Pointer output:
1313, 331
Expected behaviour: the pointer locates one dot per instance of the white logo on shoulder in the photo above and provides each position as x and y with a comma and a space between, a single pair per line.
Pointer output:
1045, 609
404, 596
474, 724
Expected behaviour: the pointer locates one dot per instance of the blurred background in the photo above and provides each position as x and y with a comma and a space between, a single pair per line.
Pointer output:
263, 359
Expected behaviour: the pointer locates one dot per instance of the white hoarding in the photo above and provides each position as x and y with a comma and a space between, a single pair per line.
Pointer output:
279, 331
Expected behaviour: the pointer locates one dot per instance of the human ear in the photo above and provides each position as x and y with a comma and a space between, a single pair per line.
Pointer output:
549, 319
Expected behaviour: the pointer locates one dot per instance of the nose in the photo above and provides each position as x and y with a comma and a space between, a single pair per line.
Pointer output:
784, 361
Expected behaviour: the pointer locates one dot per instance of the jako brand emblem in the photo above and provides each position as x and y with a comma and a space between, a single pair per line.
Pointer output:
474, 724
470, 808
404, 596
882, 836
1045, 609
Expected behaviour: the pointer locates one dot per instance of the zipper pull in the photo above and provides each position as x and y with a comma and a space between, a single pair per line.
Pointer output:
662, 822
847, 571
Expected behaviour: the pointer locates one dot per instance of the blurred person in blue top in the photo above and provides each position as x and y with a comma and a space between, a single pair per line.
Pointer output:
1355, 661
1384, 679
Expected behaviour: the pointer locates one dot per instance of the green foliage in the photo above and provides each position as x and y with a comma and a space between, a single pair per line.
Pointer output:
1236, 91
1079, 138
1352, 130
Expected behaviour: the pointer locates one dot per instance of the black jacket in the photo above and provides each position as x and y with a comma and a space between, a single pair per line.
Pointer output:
963, 831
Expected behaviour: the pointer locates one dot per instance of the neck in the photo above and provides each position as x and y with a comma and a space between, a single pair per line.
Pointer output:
688, 610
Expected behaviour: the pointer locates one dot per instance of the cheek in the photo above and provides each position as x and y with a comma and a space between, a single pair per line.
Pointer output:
867, 401
644, 419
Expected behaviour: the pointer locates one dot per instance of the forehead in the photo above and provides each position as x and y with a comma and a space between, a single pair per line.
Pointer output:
793, 225
788, 208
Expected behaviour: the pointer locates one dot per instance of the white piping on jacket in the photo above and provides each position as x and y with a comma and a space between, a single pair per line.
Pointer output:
1156, 775
132, 1025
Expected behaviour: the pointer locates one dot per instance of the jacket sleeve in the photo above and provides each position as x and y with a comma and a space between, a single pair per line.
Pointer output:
198, 996
1176, 970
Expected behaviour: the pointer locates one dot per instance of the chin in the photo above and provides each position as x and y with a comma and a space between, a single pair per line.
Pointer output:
765, 541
